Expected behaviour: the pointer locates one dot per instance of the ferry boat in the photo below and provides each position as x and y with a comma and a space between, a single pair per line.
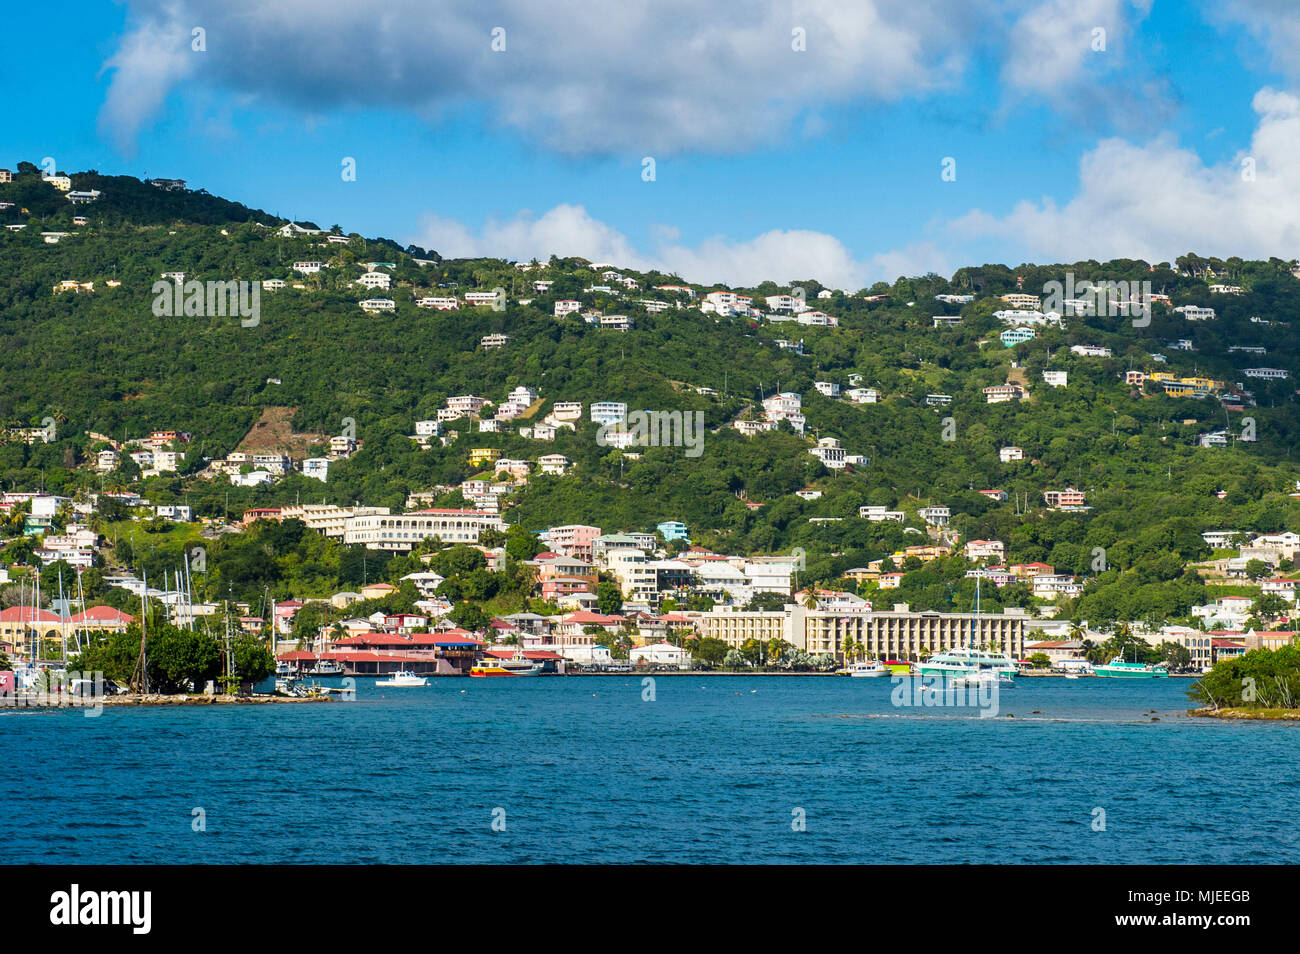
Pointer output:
402, 678
1117, 668
872, 669
979, 663
518, 666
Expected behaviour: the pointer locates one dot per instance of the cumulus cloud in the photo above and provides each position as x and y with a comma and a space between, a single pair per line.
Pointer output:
1274, 23
1153, 201
1159, 200
569, 230
584, 77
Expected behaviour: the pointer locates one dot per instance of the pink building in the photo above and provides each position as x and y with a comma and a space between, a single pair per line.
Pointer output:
574, 540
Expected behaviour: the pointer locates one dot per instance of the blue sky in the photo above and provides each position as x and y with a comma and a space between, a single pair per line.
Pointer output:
771, 162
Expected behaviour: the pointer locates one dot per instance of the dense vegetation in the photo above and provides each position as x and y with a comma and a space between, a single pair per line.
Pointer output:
102, 362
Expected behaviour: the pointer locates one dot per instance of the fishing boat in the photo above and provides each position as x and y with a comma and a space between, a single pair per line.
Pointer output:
401, 679
326, 667
1117, 668
872, 669
520, 665
966, 662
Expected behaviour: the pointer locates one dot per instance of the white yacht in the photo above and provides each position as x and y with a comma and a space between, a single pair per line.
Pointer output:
871, 669
402, 678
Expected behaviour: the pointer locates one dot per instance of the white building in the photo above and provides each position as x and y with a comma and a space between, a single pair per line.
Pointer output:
401, 532
608, 412
829, 452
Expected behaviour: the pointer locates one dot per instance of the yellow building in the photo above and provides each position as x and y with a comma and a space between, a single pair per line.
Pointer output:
895, 634
483, 455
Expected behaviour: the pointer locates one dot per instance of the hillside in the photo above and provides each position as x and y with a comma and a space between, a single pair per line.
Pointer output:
101, 361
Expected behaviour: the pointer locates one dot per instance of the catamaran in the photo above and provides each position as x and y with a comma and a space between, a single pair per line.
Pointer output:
969, 664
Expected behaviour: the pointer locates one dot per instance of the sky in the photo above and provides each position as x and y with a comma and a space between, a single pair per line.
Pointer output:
730, 142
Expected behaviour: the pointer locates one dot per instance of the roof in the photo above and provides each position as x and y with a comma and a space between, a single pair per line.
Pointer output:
28, 614
103, 614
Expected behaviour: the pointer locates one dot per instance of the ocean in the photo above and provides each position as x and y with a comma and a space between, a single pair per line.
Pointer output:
711, 769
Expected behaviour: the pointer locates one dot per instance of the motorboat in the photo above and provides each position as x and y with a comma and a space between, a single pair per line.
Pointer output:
403, 678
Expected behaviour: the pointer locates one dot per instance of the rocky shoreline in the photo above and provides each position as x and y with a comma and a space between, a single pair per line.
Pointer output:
1247, 715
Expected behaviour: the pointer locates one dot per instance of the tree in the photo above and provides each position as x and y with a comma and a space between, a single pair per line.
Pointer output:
767, 602
1176, 656
470, 617
710, 650
609, 598
253, 660
1040, 660
1257, 569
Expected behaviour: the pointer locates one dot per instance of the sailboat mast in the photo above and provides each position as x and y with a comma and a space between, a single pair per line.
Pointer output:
63, 620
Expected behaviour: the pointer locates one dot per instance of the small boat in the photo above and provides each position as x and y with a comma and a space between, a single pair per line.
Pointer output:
326, 667
402, 678
873, 669
1117, 668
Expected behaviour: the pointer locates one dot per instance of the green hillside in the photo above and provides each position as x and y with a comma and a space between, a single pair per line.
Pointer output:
101, 362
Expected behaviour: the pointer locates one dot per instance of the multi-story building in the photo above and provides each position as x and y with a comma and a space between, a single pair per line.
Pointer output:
572, 540
401, 532
608, 412
829, 452
895, 634
1064, 498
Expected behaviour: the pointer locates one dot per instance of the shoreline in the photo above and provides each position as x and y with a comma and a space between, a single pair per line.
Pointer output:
1233, 714
152, 699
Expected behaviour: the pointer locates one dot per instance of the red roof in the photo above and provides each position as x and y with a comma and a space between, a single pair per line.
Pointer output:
103, 614
586, 616
28, 614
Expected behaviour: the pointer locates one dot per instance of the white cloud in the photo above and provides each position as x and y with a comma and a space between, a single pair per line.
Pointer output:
568, 230
1275, 23
150, 61
1153, 201
1056, 47
1159, 200
584, 77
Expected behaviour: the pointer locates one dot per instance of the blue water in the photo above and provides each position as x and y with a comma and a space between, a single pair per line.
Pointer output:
712, 770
